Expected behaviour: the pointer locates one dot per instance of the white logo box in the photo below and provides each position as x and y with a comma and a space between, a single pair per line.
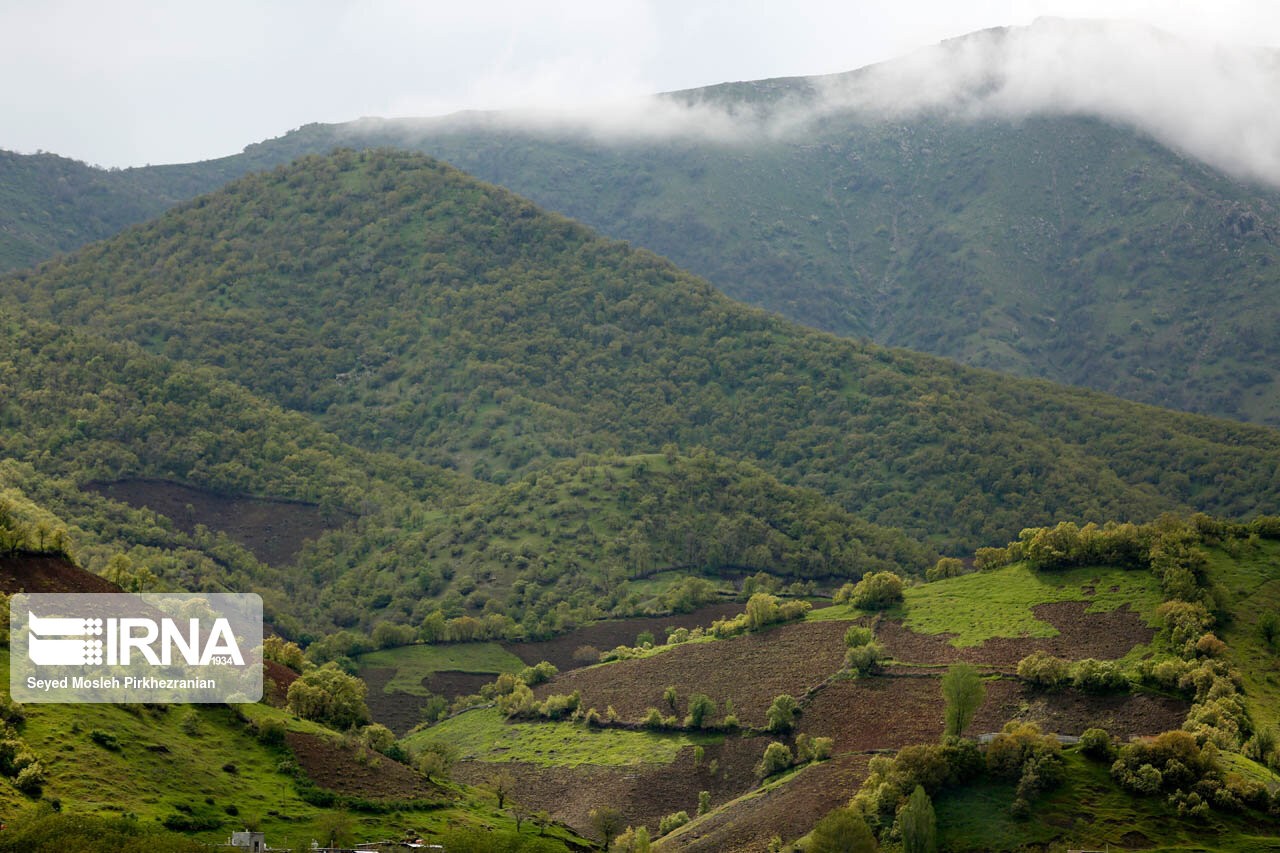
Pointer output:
123, 647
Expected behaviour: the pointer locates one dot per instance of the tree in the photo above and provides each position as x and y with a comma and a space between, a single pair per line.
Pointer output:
877, 591
701, 707
918, 824
606, 822
329, 695
336, 827
669, 696
842, 831
502, 783
964, 693
782, 713
777, 757
520, 814
947, 567
704, 802
435, 758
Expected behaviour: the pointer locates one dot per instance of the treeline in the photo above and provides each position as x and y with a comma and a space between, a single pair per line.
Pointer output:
410, 308
579, 532
1167, 547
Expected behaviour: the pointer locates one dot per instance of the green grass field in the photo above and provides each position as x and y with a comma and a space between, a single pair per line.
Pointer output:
978, 606
482, 735
1252, 580
414, 663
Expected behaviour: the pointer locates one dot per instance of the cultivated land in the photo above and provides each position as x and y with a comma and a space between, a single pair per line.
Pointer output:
1090, 612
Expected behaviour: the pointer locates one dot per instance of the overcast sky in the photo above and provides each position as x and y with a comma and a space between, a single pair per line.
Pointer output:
126, 82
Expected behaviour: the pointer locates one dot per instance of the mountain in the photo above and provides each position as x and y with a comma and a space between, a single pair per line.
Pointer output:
411, 309
1047, 243
206, 487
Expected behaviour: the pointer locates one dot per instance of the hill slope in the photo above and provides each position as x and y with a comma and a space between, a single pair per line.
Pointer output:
1058, 246
408, 307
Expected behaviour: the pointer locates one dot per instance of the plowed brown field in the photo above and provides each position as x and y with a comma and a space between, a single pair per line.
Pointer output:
617, 632
1081, 635
356, 771
751, 670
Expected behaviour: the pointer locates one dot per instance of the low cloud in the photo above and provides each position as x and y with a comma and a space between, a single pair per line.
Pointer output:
1214, 102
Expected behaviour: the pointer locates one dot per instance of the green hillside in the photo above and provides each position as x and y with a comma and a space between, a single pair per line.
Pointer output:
408, 308
1055, 246
82, 410
76, 409
580, 532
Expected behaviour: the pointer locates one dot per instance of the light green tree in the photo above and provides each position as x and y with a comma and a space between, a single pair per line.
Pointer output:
918, 824
964, 693
842, 831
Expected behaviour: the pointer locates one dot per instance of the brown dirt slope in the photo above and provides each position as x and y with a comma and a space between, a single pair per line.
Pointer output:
27, 573
889, 712
355, 771
276, 680
273, 530
751, 670
1105, 636
643, 793
617, 632
789, 810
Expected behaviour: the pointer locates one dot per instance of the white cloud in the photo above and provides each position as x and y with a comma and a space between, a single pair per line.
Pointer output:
137, 80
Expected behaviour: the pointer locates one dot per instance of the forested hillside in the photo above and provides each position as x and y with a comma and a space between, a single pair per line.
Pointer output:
1055, 246
409, 308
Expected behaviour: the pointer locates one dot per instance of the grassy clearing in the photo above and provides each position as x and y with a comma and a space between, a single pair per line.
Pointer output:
1252, 578
1088, 812
483, 735
414, 663
978, 606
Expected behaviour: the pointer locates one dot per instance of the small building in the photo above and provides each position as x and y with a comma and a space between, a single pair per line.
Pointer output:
250, 842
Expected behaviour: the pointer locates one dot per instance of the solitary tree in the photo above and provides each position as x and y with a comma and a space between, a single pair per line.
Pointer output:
701, 708
782, 713
964, 693
606, 822
435, 758
842, 831
501, 785
918, 824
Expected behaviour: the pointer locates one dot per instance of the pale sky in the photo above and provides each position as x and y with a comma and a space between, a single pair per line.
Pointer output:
130, 82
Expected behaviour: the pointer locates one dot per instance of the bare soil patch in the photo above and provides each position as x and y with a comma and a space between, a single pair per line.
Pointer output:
1071, 712
617, 632
788, 811
1105, 636
272, 529
451, 683
30, 573
751, 670
276, 678
358, 772
889, 712
644, 793
398, 711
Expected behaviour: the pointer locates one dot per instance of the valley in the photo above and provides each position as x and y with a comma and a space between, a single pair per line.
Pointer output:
808, 477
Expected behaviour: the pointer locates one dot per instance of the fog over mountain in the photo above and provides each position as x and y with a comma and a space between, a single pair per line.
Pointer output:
1212, 101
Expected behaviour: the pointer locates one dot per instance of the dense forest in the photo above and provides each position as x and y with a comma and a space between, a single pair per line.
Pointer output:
411, 309
1059, 246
